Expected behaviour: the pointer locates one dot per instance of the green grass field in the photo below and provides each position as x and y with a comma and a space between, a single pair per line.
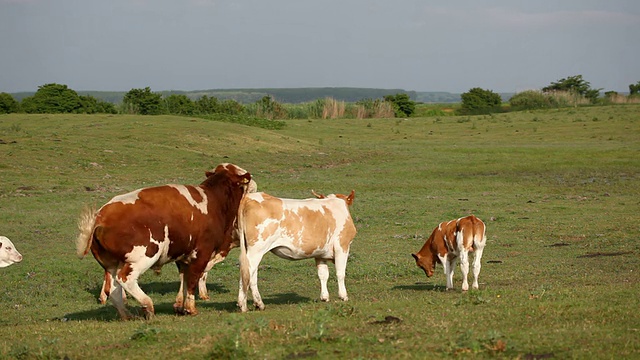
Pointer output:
559, 191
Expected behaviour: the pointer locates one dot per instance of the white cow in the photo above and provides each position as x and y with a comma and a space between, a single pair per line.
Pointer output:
8, 252
294, 229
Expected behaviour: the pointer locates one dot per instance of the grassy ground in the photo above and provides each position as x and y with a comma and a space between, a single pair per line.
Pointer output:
557, 189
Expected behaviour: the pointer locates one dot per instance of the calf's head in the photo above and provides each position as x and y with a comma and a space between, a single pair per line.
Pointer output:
8, 252
426, 262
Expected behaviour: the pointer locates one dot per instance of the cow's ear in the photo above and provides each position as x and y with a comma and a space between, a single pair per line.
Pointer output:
208, 173
246, 178
415, 257
351, 197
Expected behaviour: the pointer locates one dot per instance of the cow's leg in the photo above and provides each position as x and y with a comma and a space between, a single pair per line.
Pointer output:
449, 267
193, 273
253, 283
202, 283
341, 269
323, 275
464, 268
106, 288
116, 293
477, 264
128, 278
179, 304
108, 284
202, 287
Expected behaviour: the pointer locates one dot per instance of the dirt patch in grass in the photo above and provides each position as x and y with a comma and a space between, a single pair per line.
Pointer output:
599, 254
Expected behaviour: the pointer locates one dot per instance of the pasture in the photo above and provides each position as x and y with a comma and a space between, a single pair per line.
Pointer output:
559, 191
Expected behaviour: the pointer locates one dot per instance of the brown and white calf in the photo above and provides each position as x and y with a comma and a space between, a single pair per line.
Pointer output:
8, 252
294, 229
449, 241
150, 227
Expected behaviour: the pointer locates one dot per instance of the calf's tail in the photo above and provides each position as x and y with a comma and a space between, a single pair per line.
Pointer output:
244, 260
86, 223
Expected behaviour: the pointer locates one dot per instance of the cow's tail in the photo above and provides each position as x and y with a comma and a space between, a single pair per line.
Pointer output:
244, 260
86, 223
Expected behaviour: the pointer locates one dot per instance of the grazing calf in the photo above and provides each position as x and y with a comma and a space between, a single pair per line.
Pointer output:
450, 240
8, 252
150, 227
294, 229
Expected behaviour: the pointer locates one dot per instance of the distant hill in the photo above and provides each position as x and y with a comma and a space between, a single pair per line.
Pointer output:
287, 95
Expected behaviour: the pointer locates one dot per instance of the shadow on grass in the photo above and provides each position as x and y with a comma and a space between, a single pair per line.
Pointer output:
108, 312
421, 286
164, 288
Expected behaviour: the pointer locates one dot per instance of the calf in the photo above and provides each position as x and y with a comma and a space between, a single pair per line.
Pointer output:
294, 229
8, 252
450, 240
150, 227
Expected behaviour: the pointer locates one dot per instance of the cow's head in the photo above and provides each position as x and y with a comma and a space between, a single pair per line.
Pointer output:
426, 263
239, 175
8, 252
347, 198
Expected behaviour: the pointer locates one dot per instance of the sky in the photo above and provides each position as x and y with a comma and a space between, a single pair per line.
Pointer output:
420, 45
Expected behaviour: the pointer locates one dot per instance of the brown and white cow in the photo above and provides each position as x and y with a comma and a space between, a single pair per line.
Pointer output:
150, 227
202, 282
450, 240
8, 252
294, 229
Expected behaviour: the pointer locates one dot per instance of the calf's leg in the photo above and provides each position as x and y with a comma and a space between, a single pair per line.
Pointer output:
464, 268
477, 264
341, 269
323, 275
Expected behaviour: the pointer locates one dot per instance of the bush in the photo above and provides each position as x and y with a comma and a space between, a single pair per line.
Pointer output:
179, 105
143, 102
531, 99
8, 104
479, 101
403, 106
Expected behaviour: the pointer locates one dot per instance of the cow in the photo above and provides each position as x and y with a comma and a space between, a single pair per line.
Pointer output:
8, 252
450, 240
294, 229
150, 227
202, 282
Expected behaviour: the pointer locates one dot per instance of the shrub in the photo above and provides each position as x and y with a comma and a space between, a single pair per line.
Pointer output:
8, 104
480, 101
531, 99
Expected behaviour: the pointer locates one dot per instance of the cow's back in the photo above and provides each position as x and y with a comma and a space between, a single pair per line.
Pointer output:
176, 212
310, 223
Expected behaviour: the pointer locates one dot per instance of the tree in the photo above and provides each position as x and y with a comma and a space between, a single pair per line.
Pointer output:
478, 100
143, 102
576, 85
8, 104
634, 89
402, 104
52, 99
179, 105
91, 105
207, 105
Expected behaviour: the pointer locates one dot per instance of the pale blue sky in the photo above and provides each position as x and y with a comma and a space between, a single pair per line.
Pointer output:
422, 45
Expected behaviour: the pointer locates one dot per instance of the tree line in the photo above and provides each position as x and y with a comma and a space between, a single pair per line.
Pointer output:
58, 98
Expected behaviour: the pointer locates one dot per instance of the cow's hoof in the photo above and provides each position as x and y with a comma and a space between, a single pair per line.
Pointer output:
204, 297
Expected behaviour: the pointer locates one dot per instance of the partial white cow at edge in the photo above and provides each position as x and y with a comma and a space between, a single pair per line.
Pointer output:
8, 252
